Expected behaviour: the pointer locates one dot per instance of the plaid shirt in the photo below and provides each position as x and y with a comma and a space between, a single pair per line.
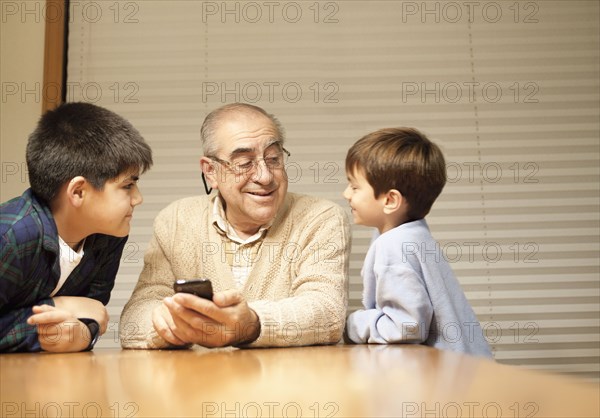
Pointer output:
30, 268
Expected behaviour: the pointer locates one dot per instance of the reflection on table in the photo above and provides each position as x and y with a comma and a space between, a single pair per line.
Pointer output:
331, 381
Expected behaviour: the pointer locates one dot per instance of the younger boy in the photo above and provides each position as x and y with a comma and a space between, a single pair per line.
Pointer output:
410, 293
61, 241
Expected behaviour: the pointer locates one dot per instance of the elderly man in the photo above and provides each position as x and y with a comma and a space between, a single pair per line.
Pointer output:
278, 261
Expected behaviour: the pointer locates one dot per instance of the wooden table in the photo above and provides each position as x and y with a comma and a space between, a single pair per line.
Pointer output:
333, 381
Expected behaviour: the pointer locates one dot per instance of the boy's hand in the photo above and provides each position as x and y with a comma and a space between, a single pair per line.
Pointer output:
82, 307
59, 330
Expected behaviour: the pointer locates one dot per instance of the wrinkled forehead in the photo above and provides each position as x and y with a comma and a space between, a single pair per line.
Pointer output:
246, 132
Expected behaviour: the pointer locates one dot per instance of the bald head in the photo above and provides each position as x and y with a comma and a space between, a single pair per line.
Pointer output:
231, 111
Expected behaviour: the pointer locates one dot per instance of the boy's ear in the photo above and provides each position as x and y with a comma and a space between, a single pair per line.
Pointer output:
393, 201
76, 190
209, 171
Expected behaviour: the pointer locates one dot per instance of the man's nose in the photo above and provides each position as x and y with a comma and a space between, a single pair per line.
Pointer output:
262, 174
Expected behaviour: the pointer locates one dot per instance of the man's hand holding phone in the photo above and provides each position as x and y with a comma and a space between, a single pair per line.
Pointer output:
225, 320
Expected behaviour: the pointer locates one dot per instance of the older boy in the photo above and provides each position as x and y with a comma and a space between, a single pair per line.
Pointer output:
61, 241
410, 293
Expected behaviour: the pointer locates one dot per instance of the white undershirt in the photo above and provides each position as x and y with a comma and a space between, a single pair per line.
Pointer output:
69, 259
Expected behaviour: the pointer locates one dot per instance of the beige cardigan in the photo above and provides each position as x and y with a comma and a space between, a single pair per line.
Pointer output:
298, 286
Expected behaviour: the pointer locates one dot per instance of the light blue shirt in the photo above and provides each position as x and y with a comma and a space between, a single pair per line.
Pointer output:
412, 296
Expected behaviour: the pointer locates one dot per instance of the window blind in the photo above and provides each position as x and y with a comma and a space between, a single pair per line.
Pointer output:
508, 89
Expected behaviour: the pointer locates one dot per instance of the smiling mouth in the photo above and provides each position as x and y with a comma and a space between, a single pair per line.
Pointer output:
261, 193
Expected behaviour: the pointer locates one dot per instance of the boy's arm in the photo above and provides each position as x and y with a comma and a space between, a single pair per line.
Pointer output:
403, 311
15, 333
83, 307
105, 272
91, 305
59, 330
107, 256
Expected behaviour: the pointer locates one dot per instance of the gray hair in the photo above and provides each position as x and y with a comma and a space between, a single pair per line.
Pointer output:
207, 132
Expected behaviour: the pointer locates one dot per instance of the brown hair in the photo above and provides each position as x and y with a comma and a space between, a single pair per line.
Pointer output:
403, 159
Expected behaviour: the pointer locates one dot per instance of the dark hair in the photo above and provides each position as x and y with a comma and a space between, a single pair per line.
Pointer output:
210, 123
403, 159
81, 139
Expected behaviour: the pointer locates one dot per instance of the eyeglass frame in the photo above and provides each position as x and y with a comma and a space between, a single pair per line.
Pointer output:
229, 164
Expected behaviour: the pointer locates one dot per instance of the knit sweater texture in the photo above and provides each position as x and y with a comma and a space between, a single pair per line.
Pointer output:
298, 286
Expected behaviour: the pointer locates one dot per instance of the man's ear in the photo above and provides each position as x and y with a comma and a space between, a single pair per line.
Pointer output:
210, 174
393, 201
77, 190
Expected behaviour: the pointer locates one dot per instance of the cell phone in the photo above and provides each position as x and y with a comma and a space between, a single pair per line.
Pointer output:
198, 287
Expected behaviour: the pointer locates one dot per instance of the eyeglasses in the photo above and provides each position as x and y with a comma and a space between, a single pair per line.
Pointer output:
245, 166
